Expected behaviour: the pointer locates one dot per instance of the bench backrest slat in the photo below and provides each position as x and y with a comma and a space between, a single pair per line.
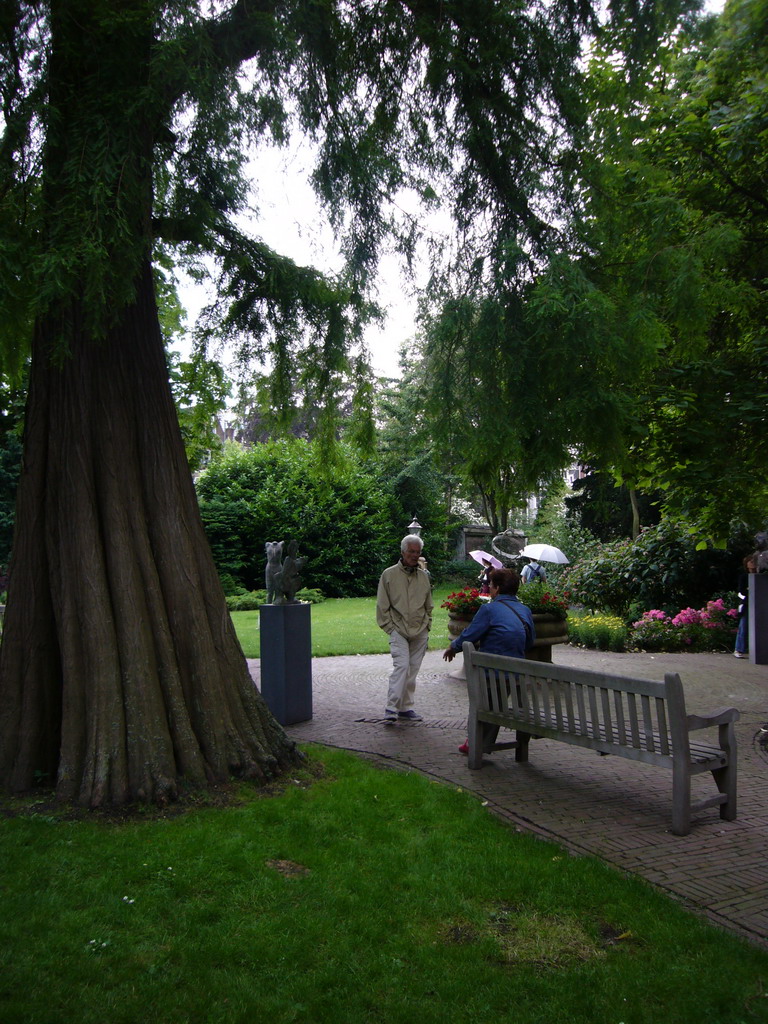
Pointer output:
617, 710
593, 716
662, 730
634, 727
645, 703
569, 708
621, 724
605, 697
583, 717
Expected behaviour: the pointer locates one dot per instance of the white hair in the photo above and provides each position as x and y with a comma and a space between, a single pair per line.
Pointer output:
411, 538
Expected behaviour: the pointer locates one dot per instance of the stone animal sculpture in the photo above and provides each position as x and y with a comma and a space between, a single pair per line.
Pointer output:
273, 570
290, 581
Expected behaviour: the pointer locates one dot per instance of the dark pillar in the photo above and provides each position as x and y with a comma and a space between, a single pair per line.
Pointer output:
758, 618
286, 661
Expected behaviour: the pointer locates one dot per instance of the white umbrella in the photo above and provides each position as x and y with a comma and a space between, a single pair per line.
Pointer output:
481, 556
545, 553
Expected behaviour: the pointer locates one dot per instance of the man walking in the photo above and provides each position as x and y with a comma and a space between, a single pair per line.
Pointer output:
404, 612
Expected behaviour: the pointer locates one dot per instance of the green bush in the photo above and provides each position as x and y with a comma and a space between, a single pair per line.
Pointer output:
456, 573
256, 598
247, 602
345, 523
231, 586
661, 569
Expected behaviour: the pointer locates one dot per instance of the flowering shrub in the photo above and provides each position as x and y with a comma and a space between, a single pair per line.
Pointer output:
463, 602
539, 599
542, 599
655, 632
706, 629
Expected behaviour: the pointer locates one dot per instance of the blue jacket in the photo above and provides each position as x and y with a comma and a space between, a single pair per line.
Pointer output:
496, 629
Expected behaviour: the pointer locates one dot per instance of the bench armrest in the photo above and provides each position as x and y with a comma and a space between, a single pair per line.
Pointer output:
720, 717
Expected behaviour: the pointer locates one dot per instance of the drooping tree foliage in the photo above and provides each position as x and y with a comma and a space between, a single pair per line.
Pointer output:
598, 505
673, 226
125, 128
640, 342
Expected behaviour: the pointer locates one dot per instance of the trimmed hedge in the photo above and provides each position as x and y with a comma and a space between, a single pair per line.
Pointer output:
345, 523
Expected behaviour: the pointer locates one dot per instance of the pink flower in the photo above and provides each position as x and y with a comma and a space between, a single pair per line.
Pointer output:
687, 617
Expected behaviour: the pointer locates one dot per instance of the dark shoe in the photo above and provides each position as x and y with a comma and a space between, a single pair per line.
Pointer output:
464, 748
390, 715
410, 716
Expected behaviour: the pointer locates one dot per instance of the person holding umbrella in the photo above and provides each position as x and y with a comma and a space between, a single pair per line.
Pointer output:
489, 563
540, 553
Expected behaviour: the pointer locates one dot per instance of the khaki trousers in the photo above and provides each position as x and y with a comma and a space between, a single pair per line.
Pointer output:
407, 656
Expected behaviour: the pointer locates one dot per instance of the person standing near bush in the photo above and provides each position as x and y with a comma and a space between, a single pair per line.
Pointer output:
750, 566
404, 612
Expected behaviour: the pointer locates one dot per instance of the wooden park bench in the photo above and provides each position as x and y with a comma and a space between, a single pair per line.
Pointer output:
639, 719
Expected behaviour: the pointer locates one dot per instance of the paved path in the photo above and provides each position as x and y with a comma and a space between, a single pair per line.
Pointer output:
611, 808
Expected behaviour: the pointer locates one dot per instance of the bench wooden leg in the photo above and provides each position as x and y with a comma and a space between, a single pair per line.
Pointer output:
681, 800
490, 735
725, 779
521, 751
475, 740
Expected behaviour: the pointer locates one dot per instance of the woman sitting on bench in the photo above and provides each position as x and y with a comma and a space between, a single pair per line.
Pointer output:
503, 626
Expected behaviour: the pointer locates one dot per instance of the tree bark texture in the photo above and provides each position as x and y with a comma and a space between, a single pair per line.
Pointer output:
635, 513
120, 672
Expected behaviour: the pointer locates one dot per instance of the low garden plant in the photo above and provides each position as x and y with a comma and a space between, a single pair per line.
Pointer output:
463, 603
281, 907
712, 628
545, 600
601, 632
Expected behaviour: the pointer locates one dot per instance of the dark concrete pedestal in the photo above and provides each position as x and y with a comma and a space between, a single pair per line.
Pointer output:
758, 618
286, 661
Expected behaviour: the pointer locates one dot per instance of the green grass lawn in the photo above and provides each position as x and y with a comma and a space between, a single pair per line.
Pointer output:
345, 626
366, 895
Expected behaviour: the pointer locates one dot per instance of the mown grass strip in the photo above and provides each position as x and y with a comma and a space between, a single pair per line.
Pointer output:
364, 895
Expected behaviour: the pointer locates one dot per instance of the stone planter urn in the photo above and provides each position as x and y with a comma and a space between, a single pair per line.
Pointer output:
549, 631
458, 623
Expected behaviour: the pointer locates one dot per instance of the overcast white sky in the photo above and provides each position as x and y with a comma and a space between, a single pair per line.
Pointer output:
290, 221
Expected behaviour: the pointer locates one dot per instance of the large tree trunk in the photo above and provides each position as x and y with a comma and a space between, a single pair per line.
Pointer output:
120, 673
635, 513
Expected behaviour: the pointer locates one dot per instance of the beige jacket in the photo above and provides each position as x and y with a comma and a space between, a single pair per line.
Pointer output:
404, 601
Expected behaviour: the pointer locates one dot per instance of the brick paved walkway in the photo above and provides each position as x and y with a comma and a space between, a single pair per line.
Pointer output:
611, 808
